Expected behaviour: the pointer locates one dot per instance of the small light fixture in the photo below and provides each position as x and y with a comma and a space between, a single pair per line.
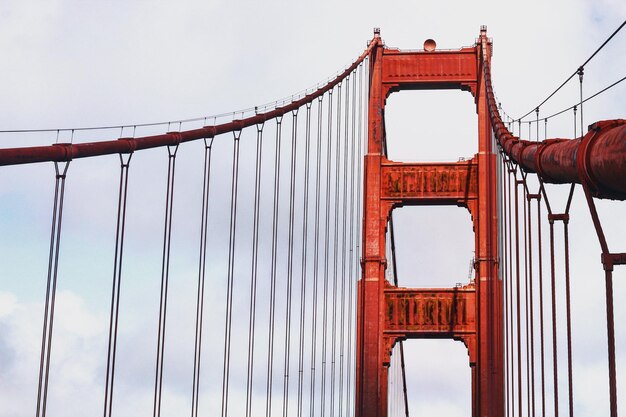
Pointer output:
429, 45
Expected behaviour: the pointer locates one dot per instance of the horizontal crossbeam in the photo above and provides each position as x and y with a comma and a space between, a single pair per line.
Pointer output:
404, 70
453, 183
430, 313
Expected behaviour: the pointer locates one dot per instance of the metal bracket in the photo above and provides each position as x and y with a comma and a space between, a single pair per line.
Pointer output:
611, 259
564, 217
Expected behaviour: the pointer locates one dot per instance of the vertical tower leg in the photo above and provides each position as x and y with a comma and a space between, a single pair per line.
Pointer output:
491, 379
371, 377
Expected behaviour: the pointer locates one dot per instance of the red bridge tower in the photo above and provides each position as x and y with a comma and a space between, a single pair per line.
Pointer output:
471, 314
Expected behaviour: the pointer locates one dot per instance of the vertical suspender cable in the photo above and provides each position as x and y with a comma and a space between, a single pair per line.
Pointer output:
537, 121
231, 272
401, 344
580, 73
326, 252
506, 266
117, 281
505, 277
394, 270
165, 273
360, 307
608, 274
344, 223
254, 268
348, 322
608, 262
510, 184
532, 303
541, 327
568, 308
567, 284
510, 283
272, 318
336, 251
392, 391
355, 243
292, 196
541, 315
204, 216
51, 287
565, 218
316, 254
397, 382
526, 292
362, 149
575, 108
569, 330
517, 292
530, 197
554, 336
305, 239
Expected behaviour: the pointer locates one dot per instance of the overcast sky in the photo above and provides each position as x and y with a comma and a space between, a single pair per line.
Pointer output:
93, 63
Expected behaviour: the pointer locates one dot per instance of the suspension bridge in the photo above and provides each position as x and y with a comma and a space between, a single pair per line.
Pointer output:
294, 305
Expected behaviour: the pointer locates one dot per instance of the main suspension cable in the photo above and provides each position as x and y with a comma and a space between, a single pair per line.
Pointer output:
576, 71
585, 100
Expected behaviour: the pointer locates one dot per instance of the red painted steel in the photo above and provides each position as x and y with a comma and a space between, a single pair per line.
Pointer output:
371, 376
384, 311
454, 183
404, 70
489, 394
598, 158
429, 313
